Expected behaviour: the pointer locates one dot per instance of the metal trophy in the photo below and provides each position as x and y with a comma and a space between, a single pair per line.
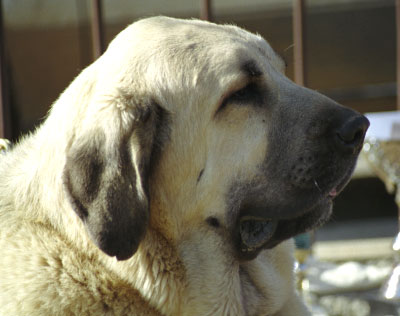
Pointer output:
384, 158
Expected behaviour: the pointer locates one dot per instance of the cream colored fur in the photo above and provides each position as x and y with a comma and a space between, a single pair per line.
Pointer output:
49, 265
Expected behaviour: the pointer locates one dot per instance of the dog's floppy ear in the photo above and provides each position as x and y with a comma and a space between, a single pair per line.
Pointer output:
105, 176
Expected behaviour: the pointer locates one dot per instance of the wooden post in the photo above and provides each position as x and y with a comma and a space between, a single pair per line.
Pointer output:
299, 39
5, 124
398, 52
97, 29
205, 10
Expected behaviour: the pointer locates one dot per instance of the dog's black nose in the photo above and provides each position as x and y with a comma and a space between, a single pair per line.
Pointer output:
350, 135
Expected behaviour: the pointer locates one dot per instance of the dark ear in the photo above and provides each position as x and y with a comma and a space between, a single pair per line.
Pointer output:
106, 180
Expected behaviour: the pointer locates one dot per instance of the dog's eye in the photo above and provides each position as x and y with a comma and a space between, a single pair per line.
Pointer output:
245, 94
250, 94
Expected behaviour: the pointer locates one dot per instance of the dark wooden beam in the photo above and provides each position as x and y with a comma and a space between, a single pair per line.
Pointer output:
299, 40
398, 51
5, 123
97, 29
205, 10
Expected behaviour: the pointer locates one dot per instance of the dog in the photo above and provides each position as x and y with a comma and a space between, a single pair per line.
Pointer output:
169, 179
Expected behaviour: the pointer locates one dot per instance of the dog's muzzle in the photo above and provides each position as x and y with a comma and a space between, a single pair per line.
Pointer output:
304, 193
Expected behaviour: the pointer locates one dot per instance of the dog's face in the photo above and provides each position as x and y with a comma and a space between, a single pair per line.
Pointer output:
223, 147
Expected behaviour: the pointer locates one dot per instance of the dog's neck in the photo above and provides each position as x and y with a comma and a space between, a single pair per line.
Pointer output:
184, 281
156, 272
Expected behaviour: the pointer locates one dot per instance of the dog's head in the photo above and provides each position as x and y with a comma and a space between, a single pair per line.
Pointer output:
192, 127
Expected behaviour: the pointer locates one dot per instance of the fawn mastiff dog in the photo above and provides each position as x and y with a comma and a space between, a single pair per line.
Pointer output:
168, 179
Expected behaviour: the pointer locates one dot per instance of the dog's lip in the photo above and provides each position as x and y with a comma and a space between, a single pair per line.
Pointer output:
333, 193
338, 188
283, 223
277, 231
255, 231
285, 227
255, 218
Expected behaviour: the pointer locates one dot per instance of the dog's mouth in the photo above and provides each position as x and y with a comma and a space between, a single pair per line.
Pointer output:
268, 216
255, 233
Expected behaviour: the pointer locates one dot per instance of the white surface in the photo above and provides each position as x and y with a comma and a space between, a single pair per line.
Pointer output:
355, 275
382, 125
326, 278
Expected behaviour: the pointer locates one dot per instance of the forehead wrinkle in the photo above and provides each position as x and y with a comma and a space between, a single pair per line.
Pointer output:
251, 69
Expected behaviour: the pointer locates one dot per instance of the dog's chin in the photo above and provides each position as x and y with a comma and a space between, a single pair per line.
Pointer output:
255, 234
262, 226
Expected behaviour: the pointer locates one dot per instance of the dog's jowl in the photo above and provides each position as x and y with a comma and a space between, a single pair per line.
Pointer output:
169, 178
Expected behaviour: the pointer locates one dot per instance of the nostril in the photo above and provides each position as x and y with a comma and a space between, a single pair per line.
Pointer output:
351, 134
350, 137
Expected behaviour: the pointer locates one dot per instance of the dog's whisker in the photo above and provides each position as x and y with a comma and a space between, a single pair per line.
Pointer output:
289, 47
316, 184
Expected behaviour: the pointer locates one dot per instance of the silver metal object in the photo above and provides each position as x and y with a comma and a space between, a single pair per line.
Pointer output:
384, 159
391, 289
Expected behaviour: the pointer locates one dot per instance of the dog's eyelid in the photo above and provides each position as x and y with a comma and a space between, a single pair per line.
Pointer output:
249, 93
241, 93
251, 69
